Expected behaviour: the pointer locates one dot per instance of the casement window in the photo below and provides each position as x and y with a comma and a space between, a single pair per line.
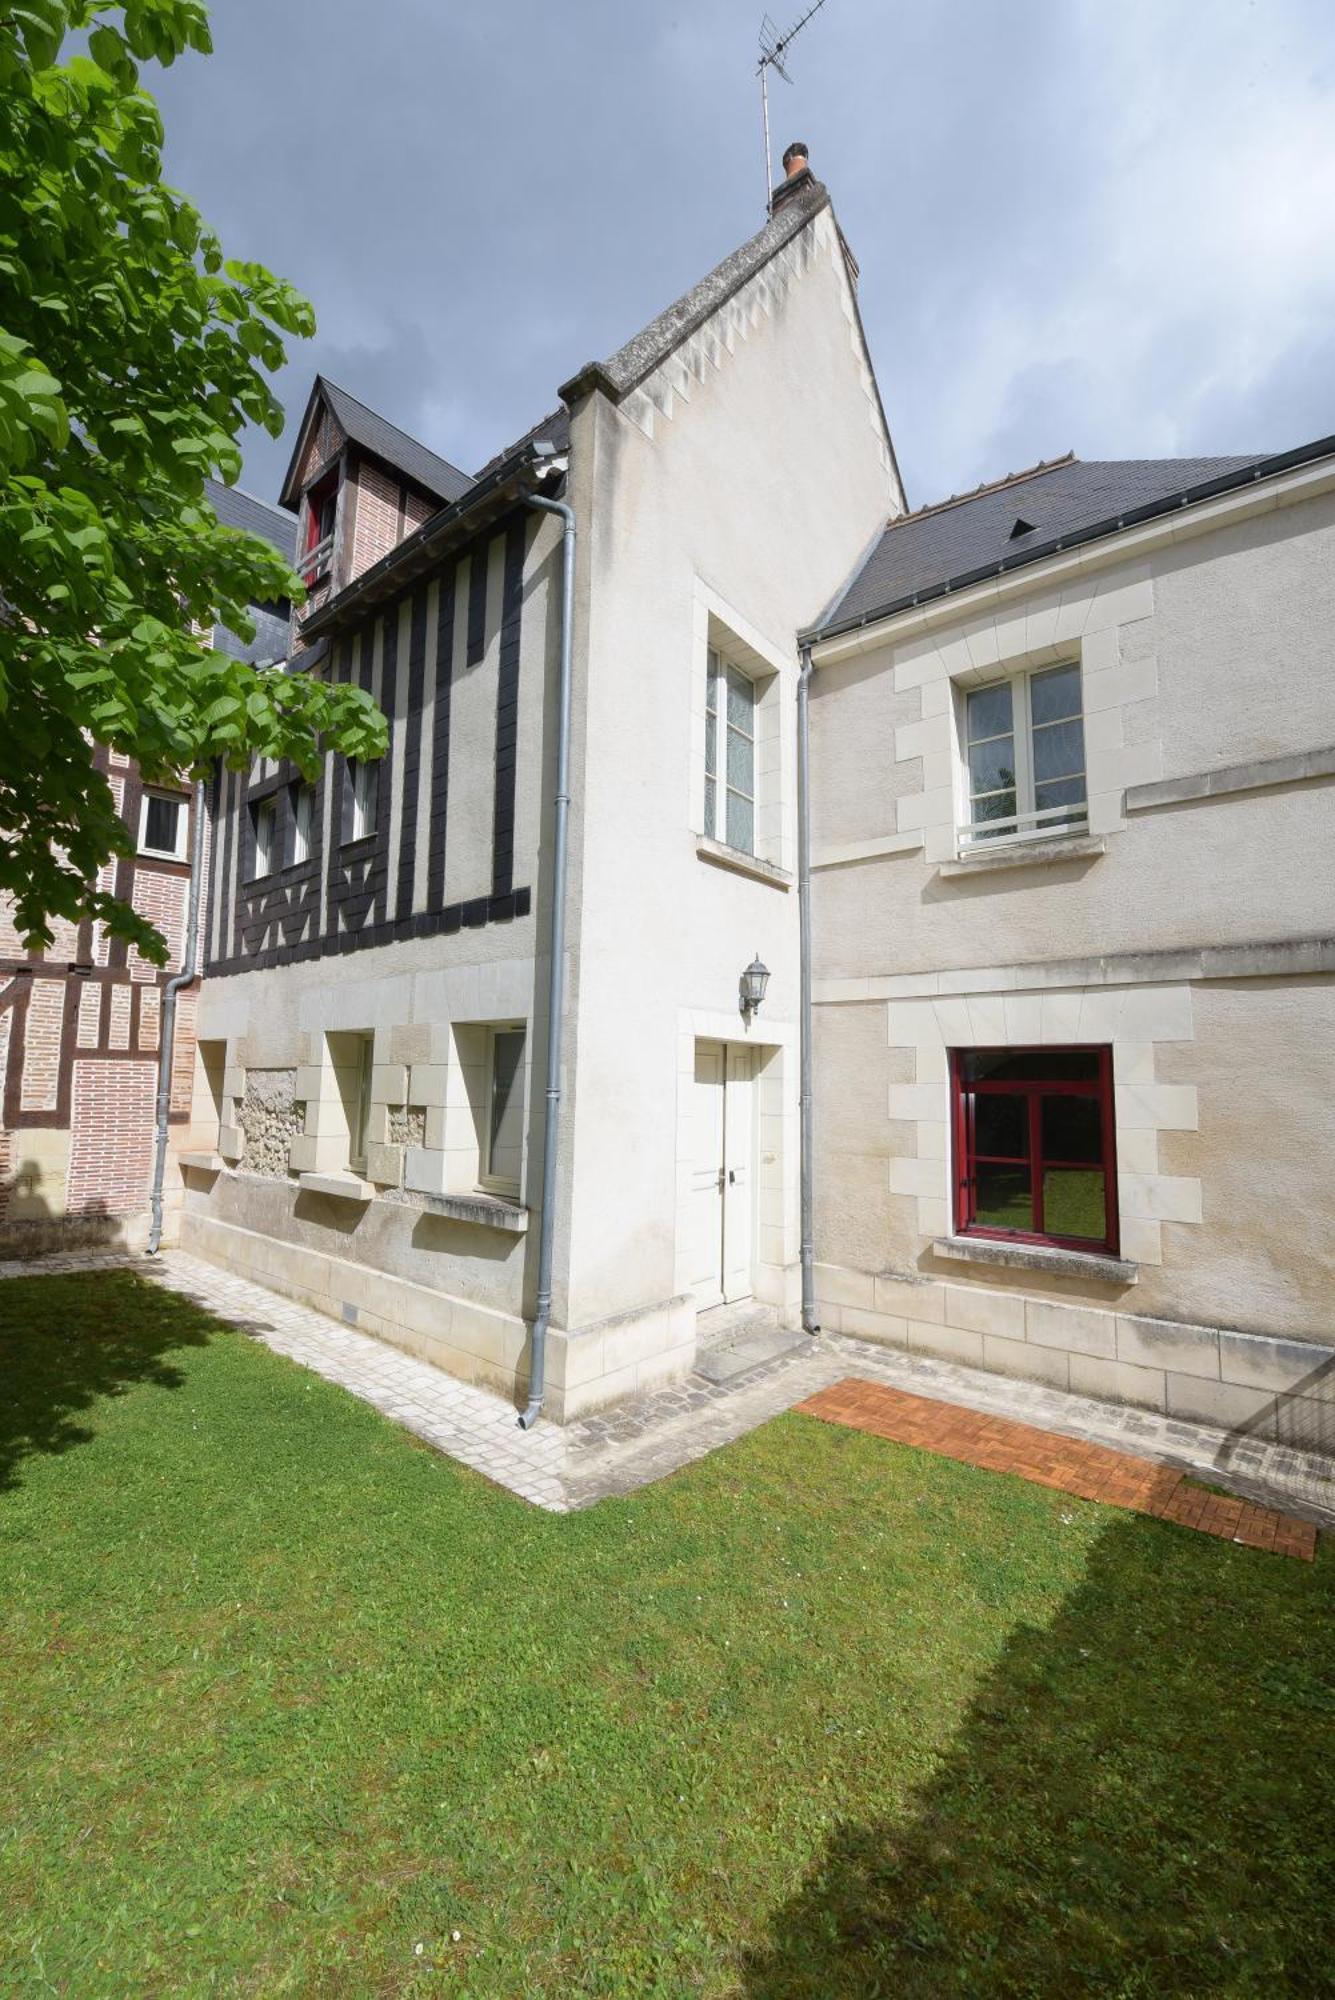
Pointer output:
303, 821
730, 755
264, 825
1035, 1156
1024, 749
502, 1151
365, 794
162, 826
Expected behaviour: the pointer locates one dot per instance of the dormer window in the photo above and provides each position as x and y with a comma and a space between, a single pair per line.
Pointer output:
321, 514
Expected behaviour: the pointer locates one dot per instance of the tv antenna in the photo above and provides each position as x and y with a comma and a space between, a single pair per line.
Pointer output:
774, 48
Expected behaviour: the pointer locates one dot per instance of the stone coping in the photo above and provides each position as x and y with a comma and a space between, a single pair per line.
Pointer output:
1025, 854
1229, 779
489, 1211
722, 856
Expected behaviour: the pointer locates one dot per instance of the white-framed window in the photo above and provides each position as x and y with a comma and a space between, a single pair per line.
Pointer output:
365, 798
730, 755
264, 821
1024, 757
162, 825
303, 821
501, 1153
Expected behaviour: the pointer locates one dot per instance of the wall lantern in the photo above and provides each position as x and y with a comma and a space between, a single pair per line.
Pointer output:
751, 987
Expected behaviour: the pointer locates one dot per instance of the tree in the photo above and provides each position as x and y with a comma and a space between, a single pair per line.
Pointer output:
131, 357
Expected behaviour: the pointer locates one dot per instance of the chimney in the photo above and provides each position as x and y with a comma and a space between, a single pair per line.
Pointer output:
798, 175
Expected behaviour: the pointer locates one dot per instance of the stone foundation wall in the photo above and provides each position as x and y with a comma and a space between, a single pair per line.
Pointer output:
1252, 1385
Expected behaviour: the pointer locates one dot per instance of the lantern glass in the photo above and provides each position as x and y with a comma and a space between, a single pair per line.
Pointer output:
753, 983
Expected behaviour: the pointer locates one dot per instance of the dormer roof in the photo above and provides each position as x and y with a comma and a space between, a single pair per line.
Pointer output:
380, 439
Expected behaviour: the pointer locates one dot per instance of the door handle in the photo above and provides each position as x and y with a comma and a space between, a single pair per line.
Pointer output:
732, 1178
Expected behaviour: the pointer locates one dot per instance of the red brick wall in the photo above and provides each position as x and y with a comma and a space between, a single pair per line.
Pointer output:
378, 527
111, 1140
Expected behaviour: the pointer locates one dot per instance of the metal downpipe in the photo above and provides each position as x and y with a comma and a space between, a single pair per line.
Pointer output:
185, 977
810, 1324
556, 968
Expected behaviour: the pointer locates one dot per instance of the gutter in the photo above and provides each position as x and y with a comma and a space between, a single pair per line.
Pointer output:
806, 1199
556, 945
1150, 510
167, 1036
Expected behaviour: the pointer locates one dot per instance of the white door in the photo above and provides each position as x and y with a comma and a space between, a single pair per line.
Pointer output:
721, 1174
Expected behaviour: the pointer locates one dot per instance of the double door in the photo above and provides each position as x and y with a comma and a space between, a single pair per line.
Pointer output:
722, 1196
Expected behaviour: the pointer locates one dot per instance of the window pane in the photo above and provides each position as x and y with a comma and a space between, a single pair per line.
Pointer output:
1059, 792
998, 805
711, 808
992, 765
741, 831
1031, 1065
1002, 1199
711, 744
711, 683
1001, 1125
741, 701
1072, 1129
161, 822
988, 711
1073, 1203
741, 763
303, 815
264, 842
1059, 750
1055, 695
507, 1106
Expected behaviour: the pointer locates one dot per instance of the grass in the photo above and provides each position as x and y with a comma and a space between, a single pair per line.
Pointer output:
293, 1706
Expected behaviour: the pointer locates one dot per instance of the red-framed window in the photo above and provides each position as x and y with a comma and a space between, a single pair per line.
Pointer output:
1035, 1153
321, 510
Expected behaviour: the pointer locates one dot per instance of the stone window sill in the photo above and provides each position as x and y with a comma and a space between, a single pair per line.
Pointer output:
1038, 1257
204, 1163
490, 1211
342, 1187
742, 864
1026, 854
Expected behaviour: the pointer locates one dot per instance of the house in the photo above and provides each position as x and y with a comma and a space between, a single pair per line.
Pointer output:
1073, 738
375, 1129
80, 1023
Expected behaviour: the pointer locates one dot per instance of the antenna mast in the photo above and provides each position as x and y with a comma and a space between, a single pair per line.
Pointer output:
773, 48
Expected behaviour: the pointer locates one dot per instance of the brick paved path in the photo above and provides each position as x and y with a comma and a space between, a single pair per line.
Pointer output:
1072, 1465
633, 1443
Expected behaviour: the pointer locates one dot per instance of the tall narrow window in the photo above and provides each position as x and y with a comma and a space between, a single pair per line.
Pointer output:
730, 756
1025, 749
365, 797
360, 1107
1034, 1146
303, 821
321, 515
264, 819
503, 1152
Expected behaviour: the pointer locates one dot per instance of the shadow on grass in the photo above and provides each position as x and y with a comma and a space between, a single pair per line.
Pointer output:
1137, 1804
68, 1341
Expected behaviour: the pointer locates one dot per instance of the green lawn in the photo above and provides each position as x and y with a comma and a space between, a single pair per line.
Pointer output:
292, 1705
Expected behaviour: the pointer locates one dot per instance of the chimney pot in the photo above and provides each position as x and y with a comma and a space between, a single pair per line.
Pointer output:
795, 158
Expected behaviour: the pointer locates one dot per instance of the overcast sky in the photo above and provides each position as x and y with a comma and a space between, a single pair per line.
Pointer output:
1106, 227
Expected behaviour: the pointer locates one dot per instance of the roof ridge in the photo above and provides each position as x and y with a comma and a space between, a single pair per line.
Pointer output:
985, 486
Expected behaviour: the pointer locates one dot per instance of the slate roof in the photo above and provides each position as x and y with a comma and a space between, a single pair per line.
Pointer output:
555, 429
238, 509
1021, 517
386, 441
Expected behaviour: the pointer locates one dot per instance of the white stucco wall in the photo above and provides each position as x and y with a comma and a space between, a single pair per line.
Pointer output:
727, 496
